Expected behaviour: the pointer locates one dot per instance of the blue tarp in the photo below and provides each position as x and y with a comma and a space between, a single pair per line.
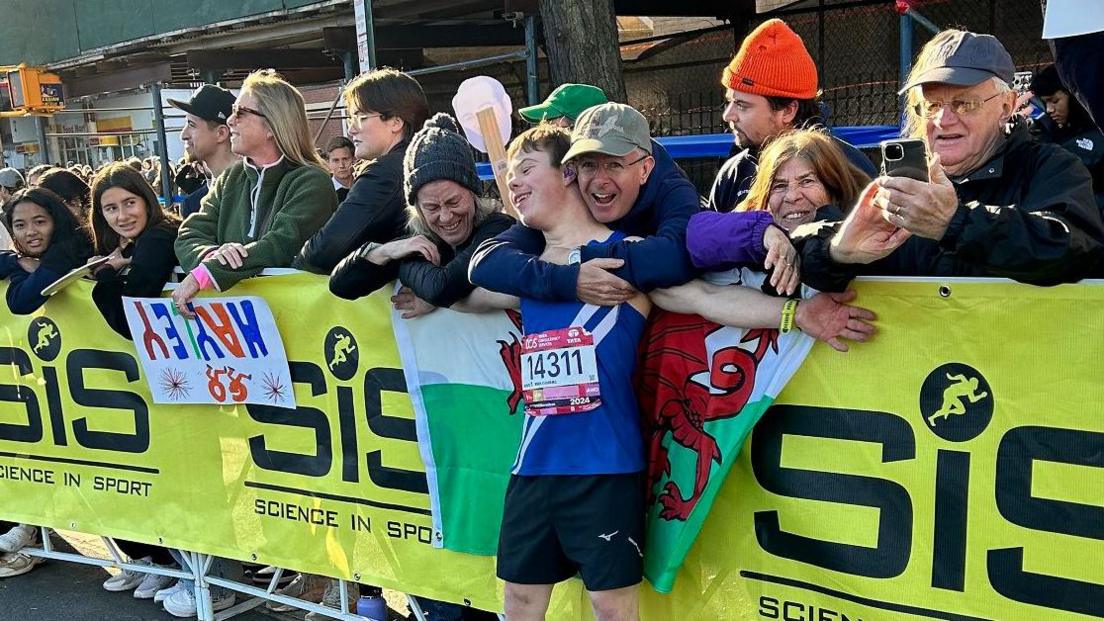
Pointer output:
719, 145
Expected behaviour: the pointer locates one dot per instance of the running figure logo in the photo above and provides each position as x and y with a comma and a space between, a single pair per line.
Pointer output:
962, 388
341, 353
956, 402
44, 337
344, 345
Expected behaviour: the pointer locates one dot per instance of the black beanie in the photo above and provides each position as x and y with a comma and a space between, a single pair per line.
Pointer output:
1047, 82
439, 151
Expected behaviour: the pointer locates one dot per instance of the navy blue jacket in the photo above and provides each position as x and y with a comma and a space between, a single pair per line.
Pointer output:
25, 288
509, 264
192, 201
1078, 62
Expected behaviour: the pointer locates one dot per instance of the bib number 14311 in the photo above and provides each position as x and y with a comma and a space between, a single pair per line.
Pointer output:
559, 372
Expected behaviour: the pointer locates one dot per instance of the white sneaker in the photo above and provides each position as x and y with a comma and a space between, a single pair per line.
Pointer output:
17, 564
183, 604
150, 586
18, 538
332, 599
126, 579
161, 595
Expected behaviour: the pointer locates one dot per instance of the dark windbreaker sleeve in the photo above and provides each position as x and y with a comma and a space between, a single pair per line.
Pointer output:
445, 285
151, 267
25, 289
355, 276
369, 213
719, 241
508, 264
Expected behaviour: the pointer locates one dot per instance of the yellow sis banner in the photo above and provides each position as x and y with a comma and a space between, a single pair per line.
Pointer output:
951, 469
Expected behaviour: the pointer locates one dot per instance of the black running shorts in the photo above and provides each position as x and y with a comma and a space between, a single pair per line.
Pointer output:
556, 526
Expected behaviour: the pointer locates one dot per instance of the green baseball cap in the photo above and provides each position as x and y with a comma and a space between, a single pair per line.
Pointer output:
566, 100
611, 128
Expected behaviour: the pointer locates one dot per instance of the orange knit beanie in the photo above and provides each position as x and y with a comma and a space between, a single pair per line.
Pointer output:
772, 62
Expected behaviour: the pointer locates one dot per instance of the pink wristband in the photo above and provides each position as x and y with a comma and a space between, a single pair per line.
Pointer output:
203, 276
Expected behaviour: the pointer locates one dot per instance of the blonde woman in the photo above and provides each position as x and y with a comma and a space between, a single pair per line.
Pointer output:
261, 210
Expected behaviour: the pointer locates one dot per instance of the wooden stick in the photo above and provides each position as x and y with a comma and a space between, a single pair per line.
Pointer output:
492, 139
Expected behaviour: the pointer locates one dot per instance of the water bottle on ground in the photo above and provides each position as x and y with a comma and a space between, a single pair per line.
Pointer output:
371, 603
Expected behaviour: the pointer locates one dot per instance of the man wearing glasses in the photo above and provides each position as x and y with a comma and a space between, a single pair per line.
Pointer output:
630, 184
996, 203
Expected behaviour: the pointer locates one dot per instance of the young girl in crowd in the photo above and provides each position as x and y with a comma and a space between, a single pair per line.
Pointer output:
131, 228
71, 188
49, 242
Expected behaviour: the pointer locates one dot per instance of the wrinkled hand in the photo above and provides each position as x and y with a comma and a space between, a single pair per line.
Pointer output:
230, 255
866, 236
597, 286
401, 248
924, 209
411, 305
782, 256
183, 295
29, 264
828, 317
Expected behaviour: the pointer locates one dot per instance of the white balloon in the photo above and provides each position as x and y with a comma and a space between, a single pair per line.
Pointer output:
476, 94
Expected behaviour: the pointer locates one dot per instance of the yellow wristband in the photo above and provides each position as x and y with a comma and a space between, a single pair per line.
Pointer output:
789, 312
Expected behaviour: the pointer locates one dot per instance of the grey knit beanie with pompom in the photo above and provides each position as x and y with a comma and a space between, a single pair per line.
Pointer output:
439, 151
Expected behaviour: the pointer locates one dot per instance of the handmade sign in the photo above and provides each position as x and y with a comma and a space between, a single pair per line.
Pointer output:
483, 110
231, 352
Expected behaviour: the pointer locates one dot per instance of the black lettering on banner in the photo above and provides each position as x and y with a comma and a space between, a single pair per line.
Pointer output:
768, 607
15, 358
75, 363
53, 405
952, 499
1018, 449
317, 465
346, 416
376, 381
891, 555
787, 606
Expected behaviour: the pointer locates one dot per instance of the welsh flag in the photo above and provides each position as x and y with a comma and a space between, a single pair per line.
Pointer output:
459, 370
701, 387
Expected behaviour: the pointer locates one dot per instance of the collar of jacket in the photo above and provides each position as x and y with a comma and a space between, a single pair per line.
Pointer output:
994, 168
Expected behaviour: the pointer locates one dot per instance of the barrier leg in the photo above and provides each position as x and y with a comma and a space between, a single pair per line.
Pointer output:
201, 564
415, 608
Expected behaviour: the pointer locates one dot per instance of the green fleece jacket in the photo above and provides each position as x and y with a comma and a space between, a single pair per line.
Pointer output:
292, 203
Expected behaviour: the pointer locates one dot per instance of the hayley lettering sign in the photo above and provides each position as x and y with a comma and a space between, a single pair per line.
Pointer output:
231, 352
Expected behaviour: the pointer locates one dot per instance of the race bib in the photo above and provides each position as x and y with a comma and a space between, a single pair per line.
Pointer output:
559, 372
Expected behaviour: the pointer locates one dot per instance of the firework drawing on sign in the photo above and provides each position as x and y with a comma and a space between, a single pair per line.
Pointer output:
175, 384
274, 389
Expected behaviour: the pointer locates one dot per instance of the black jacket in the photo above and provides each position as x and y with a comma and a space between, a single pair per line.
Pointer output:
1027, 214
441, 286
374, 211
151, 264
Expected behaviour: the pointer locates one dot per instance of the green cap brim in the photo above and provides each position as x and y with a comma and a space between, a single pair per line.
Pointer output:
616, 147
539, 112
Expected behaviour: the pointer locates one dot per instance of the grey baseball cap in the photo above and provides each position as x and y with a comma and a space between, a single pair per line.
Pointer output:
10, 178
611, 128
965, 60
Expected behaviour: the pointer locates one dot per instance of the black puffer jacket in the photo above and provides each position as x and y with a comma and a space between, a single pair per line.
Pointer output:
374, 211
1027, 214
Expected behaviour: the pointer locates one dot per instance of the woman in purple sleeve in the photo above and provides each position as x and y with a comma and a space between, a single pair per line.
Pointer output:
803, 176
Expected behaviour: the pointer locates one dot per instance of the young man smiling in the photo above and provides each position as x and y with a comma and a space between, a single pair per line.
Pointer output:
629, 183
575, 502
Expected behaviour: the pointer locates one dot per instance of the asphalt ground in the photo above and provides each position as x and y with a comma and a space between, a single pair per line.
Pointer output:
63, 591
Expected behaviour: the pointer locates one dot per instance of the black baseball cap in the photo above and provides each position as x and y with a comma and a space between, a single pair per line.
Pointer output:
967, 59
208, 102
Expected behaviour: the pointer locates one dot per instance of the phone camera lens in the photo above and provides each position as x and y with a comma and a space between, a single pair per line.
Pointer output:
894, 152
